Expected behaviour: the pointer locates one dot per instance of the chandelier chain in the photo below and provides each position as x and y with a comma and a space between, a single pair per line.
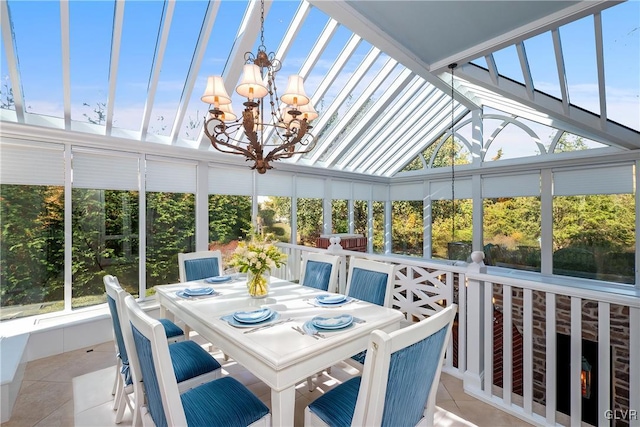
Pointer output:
262, 23
453, 157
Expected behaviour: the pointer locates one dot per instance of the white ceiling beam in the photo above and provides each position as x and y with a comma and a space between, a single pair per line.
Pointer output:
12, 62
194, 68
577, 121
362, 26
66, 63
341, 98
161, 47
392, 105
116, 42
526, 71
531, 29
349, 116
562, 72
354, 140
433, 112
439, 124
389, 128
597, 21
493, 68
319, 47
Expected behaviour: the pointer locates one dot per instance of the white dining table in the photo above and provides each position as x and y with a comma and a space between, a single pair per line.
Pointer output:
279, 355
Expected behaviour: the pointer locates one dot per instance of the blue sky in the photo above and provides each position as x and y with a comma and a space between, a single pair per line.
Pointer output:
37, 30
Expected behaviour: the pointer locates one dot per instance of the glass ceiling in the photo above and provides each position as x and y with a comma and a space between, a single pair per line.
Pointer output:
137, 69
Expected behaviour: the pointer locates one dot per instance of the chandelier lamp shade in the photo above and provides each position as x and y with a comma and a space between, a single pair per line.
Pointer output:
262, 138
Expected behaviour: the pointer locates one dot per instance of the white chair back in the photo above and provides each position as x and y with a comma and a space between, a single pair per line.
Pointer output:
406, 365
371, 281
199, 265
314, 271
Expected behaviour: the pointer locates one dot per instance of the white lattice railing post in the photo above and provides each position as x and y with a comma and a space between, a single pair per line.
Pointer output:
475, 332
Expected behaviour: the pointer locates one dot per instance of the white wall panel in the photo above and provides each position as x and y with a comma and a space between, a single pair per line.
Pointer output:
32, 164
237, 182
599, 180
309, 187
274, 184
412, 191
361, 191
441, 190
340, 190
511, 185
169, 176
380, 193
105, 171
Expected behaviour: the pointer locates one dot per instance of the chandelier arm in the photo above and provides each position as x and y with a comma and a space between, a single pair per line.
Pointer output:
235, 148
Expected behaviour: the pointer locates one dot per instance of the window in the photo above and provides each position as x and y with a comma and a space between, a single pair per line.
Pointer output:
340, 216
406, 228
310, 220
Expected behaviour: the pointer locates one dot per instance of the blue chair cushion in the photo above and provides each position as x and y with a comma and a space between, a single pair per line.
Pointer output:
411, 374
171, 330
190, 360
317, 274
201, 268
360, 357
150, 383
336, 407
222, 402
369, 286
117, 331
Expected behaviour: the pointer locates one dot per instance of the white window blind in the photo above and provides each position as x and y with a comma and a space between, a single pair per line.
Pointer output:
310, 187
340, 190
412, 191
441, 190
361, 191
104, 171
237, 182
171, 177
599, 180
274, 184
380, 193
511, 185
32, 164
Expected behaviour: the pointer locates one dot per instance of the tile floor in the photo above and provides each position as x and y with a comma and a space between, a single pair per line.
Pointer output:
74, 389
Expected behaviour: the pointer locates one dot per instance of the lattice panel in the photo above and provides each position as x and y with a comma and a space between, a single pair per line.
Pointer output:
420, 292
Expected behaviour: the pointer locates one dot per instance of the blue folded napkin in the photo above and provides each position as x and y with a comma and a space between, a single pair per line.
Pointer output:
335, 322
217, 279
331, 299
194, 292
253, 316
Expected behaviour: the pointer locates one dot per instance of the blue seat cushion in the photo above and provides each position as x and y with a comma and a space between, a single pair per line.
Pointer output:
171, 330
336, 407
190, 360
360, 357
317, 275
222, 402
370, 286
201, 268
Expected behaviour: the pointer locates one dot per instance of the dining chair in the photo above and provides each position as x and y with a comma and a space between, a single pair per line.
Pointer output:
320, 271
370, 281
192, 363
221, 402
399, 382
199, 265
122, 380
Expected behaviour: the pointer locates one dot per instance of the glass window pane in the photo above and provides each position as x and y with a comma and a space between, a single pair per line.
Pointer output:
170, 229
31, 20
378, 227
621, 39
90, 35
340, 216
310, 220
6, 90
451, 234
105, 241
511, 229
31, 250
508, 63
594, 237
274, 217
360, 214
542, 64
229, 222
406, 229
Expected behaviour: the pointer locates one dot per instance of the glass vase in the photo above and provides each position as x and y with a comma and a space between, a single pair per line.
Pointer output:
258, 284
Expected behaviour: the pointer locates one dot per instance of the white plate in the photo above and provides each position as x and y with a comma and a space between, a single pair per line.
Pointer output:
217, 279
197, 292
331, 299
337, 322
233, 322
253, 316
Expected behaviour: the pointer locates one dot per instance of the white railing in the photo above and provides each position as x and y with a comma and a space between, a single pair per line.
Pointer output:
537, 307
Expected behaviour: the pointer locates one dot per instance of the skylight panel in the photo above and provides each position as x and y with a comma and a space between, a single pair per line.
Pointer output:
542, 64
579, 51
480, 62
90, 34
141, 29
6, 90
215, 58
185, 27
621, 37
304, 42
36, 26
508, 63
323, 65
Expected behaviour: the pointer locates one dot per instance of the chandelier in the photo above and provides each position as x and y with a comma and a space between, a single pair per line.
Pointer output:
260, 138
